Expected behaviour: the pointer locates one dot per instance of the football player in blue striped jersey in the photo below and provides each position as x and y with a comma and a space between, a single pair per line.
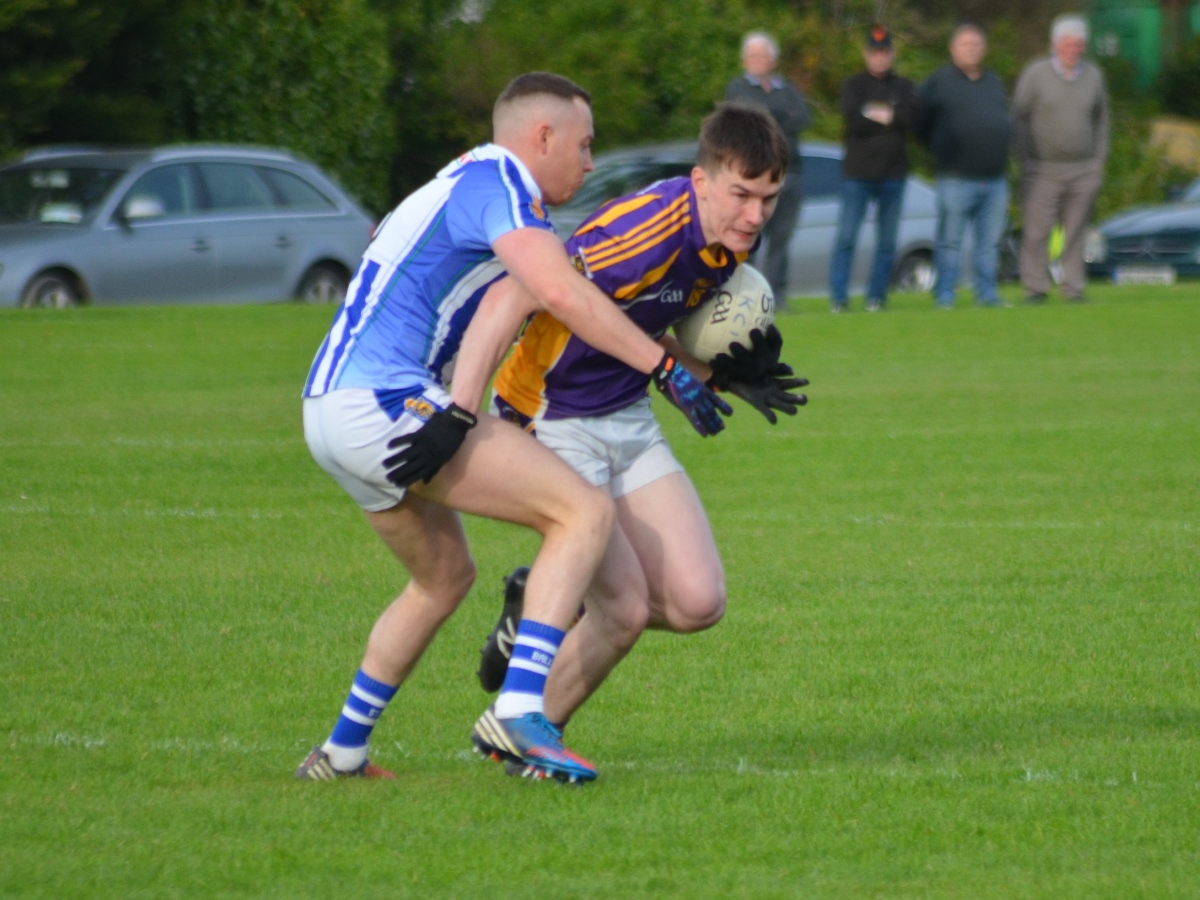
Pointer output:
384, 418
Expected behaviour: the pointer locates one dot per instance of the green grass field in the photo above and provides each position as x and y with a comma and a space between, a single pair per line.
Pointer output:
960, 656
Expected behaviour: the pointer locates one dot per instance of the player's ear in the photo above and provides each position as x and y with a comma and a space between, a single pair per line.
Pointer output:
700, 182
545, 135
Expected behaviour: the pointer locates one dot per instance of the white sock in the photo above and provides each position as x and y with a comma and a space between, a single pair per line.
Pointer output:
345, 759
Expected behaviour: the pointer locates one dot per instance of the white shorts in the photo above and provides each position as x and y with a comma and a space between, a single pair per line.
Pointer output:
348, 432
622, 451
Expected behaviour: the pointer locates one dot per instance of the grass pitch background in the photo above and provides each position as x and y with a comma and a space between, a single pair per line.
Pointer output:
960, 657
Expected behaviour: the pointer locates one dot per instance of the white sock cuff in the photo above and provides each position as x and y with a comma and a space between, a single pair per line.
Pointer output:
514, 704
345, 759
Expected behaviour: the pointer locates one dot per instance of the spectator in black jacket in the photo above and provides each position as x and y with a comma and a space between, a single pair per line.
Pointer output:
878, 107
964, 120
760, 86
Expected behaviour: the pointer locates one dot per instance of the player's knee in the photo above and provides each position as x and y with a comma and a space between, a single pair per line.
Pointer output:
446, 592
700, 606
463, 579
596, 511
629, 620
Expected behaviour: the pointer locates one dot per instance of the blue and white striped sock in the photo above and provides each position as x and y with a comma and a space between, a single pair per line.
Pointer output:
525, 684
347, 746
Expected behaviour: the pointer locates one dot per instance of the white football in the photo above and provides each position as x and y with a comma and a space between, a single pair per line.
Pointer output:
740, 305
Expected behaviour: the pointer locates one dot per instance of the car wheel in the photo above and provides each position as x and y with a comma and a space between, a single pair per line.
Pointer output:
51, 290
914, 274
322, 284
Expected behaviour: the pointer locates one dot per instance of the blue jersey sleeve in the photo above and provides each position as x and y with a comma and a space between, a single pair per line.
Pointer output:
491, 200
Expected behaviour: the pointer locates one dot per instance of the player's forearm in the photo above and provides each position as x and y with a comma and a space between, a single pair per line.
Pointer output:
539, 263
702, 370
596, 320
486, 341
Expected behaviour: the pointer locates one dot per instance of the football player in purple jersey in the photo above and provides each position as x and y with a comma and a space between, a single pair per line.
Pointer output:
658, 254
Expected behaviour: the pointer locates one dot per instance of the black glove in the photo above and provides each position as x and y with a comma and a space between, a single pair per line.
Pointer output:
428, 448
752, 365
771, 393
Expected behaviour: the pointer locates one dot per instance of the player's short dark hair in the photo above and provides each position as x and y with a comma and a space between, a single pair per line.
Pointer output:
532, 83
746, 139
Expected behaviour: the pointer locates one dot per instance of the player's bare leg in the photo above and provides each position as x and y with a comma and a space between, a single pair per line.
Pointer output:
664, 525
441, 573
429, 540
618, 609
502, 473
668, 528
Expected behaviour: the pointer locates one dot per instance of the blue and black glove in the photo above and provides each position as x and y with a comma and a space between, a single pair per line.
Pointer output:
426, 450
702, 407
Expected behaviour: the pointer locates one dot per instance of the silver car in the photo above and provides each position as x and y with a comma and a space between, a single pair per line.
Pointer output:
624, 171
187, 224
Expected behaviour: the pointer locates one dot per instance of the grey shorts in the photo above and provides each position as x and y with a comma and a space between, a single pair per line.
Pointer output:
622, 451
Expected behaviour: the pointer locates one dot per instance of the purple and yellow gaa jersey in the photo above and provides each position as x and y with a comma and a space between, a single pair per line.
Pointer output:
647, 252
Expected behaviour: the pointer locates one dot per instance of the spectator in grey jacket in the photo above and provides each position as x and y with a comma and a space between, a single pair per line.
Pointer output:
782, 99
1060, 131
963, 118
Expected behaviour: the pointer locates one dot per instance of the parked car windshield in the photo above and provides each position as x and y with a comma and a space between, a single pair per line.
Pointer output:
53, 194
1192, 194
623, 177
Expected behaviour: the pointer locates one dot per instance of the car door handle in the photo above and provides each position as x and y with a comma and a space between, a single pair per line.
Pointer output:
283, 242
200, 245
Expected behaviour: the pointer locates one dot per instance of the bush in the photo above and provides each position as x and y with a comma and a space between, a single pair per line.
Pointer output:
311, 76
1136, 172
1176, 87
653, 71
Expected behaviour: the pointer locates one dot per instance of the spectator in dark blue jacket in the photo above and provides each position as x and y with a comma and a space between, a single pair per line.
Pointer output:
964, 119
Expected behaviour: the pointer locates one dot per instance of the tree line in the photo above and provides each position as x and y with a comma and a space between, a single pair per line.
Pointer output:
381, 93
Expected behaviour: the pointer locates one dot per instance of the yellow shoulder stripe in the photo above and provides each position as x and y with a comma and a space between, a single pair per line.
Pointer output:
647, 237
667, 230
636, 233
632, 290
617, 211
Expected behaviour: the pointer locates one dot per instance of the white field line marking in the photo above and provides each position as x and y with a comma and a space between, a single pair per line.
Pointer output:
741, 766
967, 431
170, 512
161, 443
887, 521
42, 509
68, 740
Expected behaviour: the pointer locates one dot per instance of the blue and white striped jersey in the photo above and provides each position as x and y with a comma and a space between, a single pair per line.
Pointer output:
423, 275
